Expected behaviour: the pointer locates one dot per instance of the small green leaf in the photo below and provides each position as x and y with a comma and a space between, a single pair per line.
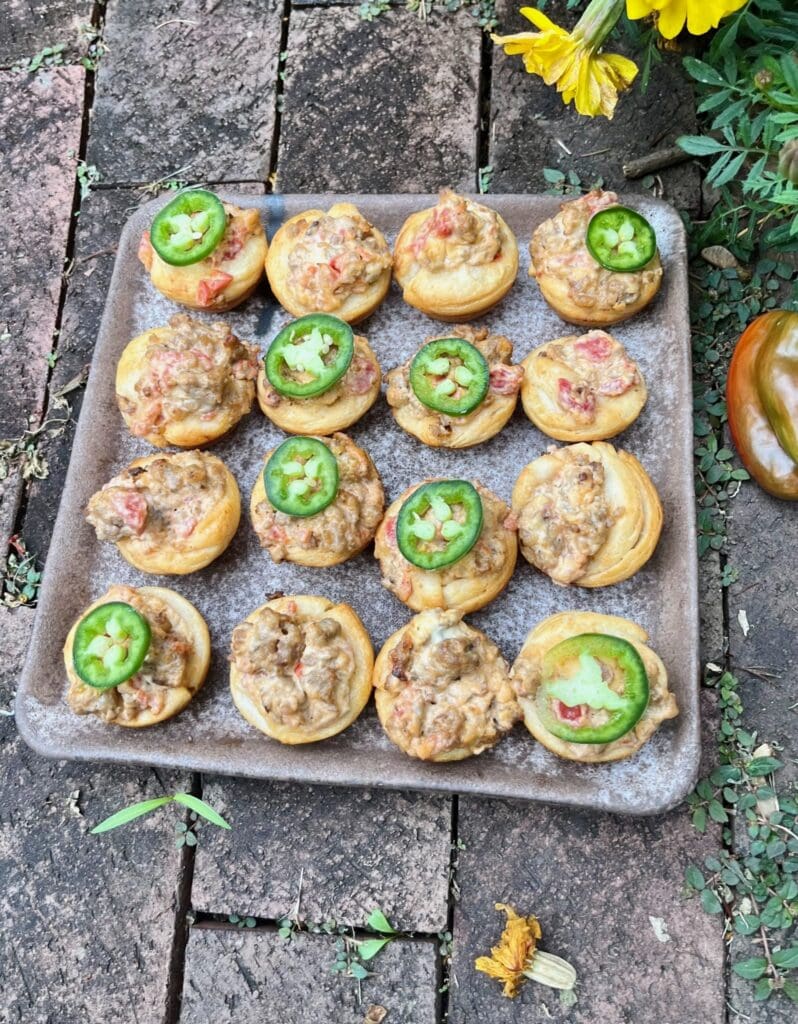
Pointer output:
378, 922
700, 145
717, 811
200, 807
369, 948
694, 877
702, 72
762, 990
786, 958
751, 969
759, 766
358, 971
710, 902
130, 814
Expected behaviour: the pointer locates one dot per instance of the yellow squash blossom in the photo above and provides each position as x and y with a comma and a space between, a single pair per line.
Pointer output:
517, 957
700, 15
572, 60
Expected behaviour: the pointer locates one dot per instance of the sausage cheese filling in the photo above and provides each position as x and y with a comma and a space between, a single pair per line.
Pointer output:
567, 518
299, 672
594, 365
333, 258
449, 689
164, 666
196, 370
164, 500
458, 232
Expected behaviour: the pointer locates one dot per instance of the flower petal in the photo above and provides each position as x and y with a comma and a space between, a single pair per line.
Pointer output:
625, 70
672, 18
539, 19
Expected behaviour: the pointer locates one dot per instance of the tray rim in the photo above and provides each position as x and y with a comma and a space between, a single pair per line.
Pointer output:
273, 208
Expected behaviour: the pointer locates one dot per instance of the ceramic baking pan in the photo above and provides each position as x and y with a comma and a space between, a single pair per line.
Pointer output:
210, 736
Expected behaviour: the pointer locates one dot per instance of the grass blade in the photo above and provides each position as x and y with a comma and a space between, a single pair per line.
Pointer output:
130, 814
201, 808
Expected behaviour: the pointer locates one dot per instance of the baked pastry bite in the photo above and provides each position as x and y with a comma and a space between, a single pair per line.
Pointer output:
458, 390
136, 656
334, 262
318, 376
587, 514
582, 387
186, 384
204, 253
447, 544
596, 262
317, 501
455, 260
168, 514
300, 668
442, 689
590, 688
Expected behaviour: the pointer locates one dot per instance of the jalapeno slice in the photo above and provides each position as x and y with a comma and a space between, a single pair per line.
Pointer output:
450, 375
189, 228
621, 239
309, 355
110, 645
439, 523
594, 689
301, 477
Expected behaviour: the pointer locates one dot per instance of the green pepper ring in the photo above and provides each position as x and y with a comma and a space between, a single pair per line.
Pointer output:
635, 695
277, 483
88, 666
194, 201
342, 334
473, 361
643, 241
453, 492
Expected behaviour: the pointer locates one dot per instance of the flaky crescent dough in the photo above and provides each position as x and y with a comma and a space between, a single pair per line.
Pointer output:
190, 432
321, 415
356, 306
462, 585
614, 413
462, 292
246, 268
209, 538
311, 608
528, 669
633, 501
199, 657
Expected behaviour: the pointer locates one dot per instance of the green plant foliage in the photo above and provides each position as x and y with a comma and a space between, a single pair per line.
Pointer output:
748, 90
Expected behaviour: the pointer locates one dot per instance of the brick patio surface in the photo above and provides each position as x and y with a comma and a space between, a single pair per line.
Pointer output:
126, 927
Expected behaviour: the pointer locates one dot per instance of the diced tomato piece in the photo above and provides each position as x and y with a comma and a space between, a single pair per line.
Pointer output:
506, 380
575, 399
131, 508
596, 346
363, 376
572, 715
210, 287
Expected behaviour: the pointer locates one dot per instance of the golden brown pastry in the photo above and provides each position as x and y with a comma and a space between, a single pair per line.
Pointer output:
174, 667
222, 280
334, 262
587, 514
300, 668
442, 688
473, 579
186, 384
582, 387
455, 260
494, 375
344, 526
623, 693
317, 347
168, 514
573, 283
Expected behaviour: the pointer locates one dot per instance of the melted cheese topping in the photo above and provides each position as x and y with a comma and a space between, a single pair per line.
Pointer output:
457, 232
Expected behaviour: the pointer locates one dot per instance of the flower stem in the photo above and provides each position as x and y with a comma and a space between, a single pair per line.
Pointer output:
599, 19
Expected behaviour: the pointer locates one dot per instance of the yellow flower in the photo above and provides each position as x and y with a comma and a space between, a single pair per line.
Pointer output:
517, 958
700, 15
571, 61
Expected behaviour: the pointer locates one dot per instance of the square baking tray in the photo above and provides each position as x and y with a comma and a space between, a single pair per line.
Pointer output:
209, 735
